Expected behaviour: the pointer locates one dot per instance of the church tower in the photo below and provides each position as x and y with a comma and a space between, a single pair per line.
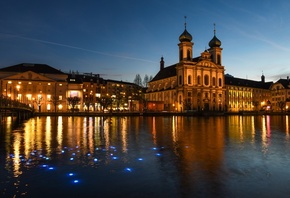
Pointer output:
215, 50
185, 46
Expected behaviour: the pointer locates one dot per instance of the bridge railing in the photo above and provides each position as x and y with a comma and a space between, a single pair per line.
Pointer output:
8, 103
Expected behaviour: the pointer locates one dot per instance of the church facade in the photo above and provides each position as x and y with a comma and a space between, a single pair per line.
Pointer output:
192, 84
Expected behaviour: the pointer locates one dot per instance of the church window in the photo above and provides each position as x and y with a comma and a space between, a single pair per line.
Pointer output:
189, 79
180, 55
180, 80
206, 80
220, 82
188, 55
213, 81
218, 59
180, 100
198, 80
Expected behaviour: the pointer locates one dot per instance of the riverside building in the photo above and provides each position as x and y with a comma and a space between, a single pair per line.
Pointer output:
192, 84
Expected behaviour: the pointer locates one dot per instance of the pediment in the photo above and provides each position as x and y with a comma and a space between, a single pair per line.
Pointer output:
29, 76
276, 86
205, 63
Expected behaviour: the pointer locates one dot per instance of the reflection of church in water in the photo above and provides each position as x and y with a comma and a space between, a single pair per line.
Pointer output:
192, 83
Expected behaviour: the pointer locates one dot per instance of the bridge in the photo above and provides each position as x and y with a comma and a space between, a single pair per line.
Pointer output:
15, 109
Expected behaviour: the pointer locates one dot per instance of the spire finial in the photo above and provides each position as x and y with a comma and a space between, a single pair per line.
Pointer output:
214, 29
185, 22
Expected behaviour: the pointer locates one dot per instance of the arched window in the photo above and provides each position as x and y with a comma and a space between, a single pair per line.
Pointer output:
180, 80
213, 81
188, 55
180, 55
189, 79
180, 100
206, 80
219, 59
198, 80
220, 82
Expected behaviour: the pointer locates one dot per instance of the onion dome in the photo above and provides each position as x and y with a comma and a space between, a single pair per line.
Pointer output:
215, 42
185, 37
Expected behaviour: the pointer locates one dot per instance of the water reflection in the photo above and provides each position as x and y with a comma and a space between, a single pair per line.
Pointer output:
204, 157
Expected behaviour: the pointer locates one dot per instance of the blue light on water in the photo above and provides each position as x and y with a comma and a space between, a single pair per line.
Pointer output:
76, 181
140, 159
62, 151
128, 169
51, 168
95, 160
70, 174
44, 166
73, 153
158, 154
114, 157
71, 159
154, 148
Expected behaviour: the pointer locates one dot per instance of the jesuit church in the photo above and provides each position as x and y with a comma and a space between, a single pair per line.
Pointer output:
192, 84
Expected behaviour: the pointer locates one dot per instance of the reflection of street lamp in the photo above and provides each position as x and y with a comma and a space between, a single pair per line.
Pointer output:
18, 88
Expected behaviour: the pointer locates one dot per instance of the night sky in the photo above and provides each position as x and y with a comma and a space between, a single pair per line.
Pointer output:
119, 39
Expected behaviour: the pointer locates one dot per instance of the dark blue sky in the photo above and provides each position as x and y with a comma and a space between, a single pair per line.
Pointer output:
119, 39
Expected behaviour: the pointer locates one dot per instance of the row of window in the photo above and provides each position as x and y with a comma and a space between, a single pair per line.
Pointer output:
206, 80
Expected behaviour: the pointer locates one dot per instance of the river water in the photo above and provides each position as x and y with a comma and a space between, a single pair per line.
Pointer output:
174, 156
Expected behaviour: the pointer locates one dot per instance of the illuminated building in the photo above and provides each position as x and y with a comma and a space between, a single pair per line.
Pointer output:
41, 86
125, 95
280, 95
90, 88
192, 83
247, 95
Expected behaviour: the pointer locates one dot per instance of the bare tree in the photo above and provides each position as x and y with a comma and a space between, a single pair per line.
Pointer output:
145, 80
281, 105
73, 102
138, 80
105, 102
55, 101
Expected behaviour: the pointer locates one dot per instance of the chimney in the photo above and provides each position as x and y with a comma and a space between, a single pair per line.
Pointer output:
161, 64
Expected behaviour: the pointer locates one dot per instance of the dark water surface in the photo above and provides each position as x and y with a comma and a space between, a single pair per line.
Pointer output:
234, 156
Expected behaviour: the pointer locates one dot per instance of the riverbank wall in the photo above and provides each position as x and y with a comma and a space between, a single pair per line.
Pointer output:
248, 113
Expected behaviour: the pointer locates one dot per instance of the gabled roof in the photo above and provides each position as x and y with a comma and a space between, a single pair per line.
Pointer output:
166, 72
284, 82
230, 80
37, 68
